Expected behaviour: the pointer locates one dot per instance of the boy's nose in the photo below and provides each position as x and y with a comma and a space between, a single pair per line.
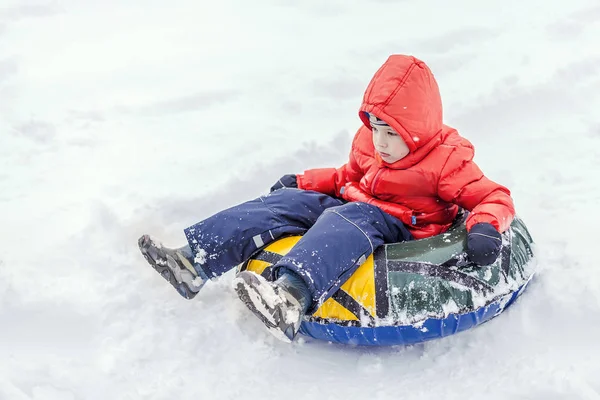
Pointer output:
381, 143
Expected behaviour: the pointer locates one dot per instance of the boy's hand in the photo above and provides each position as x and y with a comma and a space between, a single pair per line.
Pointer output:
285, 181
483, 243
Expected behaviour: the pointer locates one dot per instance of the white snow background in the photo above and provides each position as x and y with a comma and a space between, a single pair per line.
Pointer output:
119, 118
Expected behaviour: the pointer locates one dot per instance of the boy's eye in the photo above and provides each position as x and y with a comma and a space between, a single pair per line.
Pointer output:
392, 133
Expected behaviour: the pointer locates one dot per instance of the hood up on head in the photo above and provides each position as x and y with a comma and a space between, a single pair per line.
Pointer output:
404, 93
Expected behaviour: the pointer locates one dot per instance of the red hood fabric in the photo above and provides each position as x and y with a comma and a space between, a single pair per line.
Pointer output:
404, 94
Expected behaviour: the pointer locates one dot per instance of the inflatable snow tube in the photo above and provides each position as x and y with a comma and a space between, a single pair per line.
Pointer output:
415, 291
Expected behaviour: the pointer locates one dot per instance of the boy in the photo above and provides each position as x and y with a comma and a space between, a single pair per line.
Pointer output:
406, 178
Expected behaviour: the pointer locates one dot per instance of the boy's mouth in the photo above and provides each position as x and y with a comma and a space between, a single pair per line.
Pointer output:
384, 155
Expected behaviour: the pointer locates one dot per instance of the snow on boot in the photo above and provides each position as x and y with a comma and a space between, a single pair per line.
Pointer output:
280, 307
173, 265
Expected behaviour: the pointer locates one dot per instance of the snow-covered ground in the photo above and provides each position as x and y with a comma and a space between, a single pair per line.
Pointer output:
122, 118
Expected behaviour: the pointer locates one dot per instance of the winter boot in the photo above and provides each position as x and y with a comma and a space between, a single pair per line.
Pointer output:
175, 265
280, 305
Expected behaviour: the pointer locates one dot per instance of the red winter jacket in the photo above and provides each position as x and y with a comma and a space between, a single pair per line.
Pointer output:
425, 188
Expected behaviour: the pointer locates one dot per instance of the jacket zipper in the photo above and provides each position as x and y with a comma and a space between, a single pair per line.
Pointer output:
413, 217
375, 181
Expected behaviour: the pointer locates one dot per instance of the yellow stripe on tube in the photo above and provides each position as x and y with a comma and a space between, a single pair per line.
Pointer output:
361, 285
257, 266
283, 246
331, 309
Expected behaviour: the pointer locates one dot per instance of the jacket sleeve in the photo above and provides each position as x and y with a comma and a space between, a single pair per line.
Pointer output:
463, 183
330, 180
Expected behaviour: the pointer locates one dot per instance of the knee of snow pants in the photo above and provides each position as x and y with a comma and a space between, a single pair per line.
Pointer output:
231, 236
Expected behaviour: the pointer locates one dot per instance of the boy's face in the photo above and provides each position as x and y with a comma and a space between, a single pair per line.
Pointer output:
387, 142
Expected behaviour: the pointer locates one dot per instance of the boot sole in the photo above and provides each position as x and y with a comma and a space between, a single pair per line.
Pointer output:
253, 292
182, 288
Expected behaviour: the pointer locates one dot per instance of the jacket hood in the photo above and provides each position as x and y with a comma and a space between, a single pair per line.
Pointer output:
404, 93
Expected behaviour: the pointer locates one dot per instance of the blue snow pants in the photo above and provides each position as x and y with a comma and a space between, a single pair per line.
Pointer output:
337, 237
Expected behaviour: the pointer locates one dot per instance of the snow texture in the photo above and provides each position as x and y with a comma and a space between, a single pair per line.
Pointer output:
123, 118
